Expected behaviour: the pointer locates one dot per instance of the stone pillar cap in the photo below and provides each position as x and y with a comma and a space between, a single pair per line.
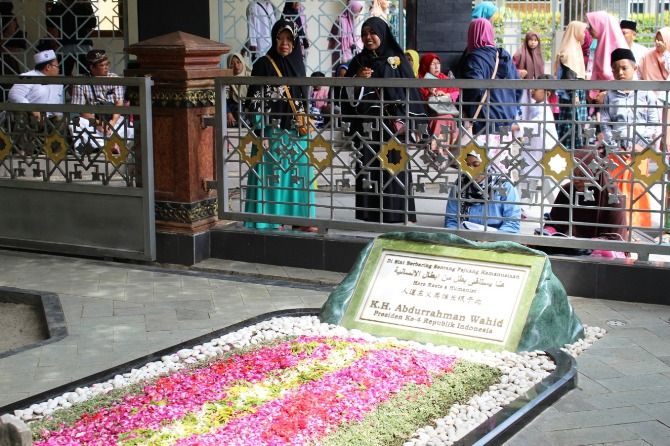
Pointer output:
178, 56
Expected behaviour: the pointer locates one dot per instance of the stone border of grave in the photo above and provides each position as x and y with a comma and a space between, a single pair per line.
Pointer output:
495, 430
51, 311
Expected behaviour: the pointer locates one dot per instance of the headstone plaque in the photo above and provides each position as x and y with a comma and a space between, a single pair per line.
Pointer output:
444, 294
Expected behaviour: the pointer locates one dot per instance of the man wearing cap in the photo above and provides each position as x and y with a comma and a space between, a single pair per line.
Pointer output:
98, 65
90, 126
631, 123
46, 64
629, 29
632, 114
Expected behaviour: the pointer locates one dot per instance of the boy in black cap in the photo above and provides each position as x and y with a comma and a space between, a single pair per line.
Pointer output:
629, 30
630, 113
631, 123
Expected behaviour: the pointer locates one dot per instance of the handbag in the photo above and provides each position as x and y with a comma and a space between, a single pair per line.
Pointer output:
442, 105
304, 123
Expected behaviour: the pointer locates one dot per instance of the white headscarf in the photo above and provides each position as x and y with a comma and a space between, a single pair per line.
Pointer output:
238, 91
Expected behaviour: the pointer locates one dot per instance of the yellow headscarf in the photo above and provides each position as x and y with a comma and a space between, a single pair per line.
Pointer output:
415, 61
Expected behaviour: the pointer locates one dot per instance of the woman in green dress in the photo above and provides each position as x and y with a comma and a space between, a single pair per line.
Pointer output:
282, 183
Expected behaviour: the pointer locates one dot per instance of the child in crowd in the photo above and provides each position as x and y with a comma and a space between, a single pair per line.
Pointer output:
319, 105
528, 60
630, 123
537, 123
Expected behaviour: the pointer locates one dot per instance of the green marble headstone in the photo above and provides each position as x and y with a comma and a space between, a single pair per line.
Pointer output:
443, 289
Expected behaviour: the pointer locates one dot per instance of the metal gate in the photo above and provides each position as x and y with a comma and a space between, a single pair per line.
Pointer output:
66, 187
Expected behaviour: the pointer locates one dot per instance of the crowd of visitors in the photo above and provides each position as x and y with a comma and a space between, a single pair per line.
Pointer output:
541, 118
621, 122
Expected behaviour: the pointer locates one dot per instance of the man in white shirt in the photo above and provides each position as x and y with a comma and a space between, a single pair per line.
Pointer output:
46, 64
261, 15
629, 29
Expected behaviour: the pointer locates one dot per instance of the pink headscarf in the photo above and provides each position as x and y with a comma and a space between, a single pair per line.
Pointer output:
652, 67
609, 35
480, 34
345, 30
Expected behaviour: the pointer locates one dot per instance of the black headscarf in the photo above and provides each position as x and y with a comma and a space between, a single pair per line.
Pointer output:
290, 66
293, 64
289, 13
378, 60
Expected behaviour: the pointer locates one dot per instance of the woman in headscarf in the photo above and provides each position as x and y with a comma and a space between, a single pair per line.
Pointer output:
655, 66
430, 68
484, 10
380, 8
281, 182
413, 58
377, 115
528, 59
485, 61
343, 39
295, 12
486, 202
236, 93
606, 29
573, 112
596, 214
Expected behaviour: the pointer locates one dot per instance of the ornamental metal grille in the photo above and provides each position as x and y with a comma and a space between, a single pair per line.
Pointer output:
57, 144
385, 169
75, 183
69, 27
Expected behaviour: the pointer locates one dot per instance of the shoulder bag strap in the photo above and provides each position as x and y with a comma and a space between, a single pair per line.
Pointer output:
486, 93
286, 89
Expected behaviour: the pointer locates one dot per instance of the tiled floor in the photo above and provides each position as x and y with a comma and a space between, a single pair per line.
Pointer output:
117, 312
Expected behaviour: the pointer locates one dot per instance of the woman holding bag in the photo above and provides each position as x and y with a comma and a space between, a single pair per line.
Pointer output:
492, 108
282, 182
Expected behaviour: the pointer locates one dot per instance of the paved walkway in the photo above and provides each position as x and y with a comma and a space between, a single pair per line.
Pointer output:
117, 312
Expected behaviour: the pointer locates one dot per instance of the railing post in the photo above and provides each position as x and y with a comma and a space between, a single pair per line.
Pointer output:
183, 68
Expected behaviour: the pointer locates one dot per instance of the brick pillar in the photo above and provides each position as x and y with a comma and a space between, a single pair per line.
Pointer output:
183, 67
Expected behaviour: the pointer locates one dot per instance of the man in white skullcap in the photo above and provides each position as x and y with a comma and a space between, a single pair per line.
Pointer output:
46, 64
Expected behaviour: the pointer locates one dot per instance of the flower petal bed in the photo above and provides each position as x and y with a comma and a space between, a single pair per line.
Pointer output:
291, 381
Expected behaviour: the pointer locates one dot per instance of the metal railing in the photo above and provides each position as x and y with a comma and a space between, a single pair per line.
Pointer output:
74, 184
357, 164
61, 146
